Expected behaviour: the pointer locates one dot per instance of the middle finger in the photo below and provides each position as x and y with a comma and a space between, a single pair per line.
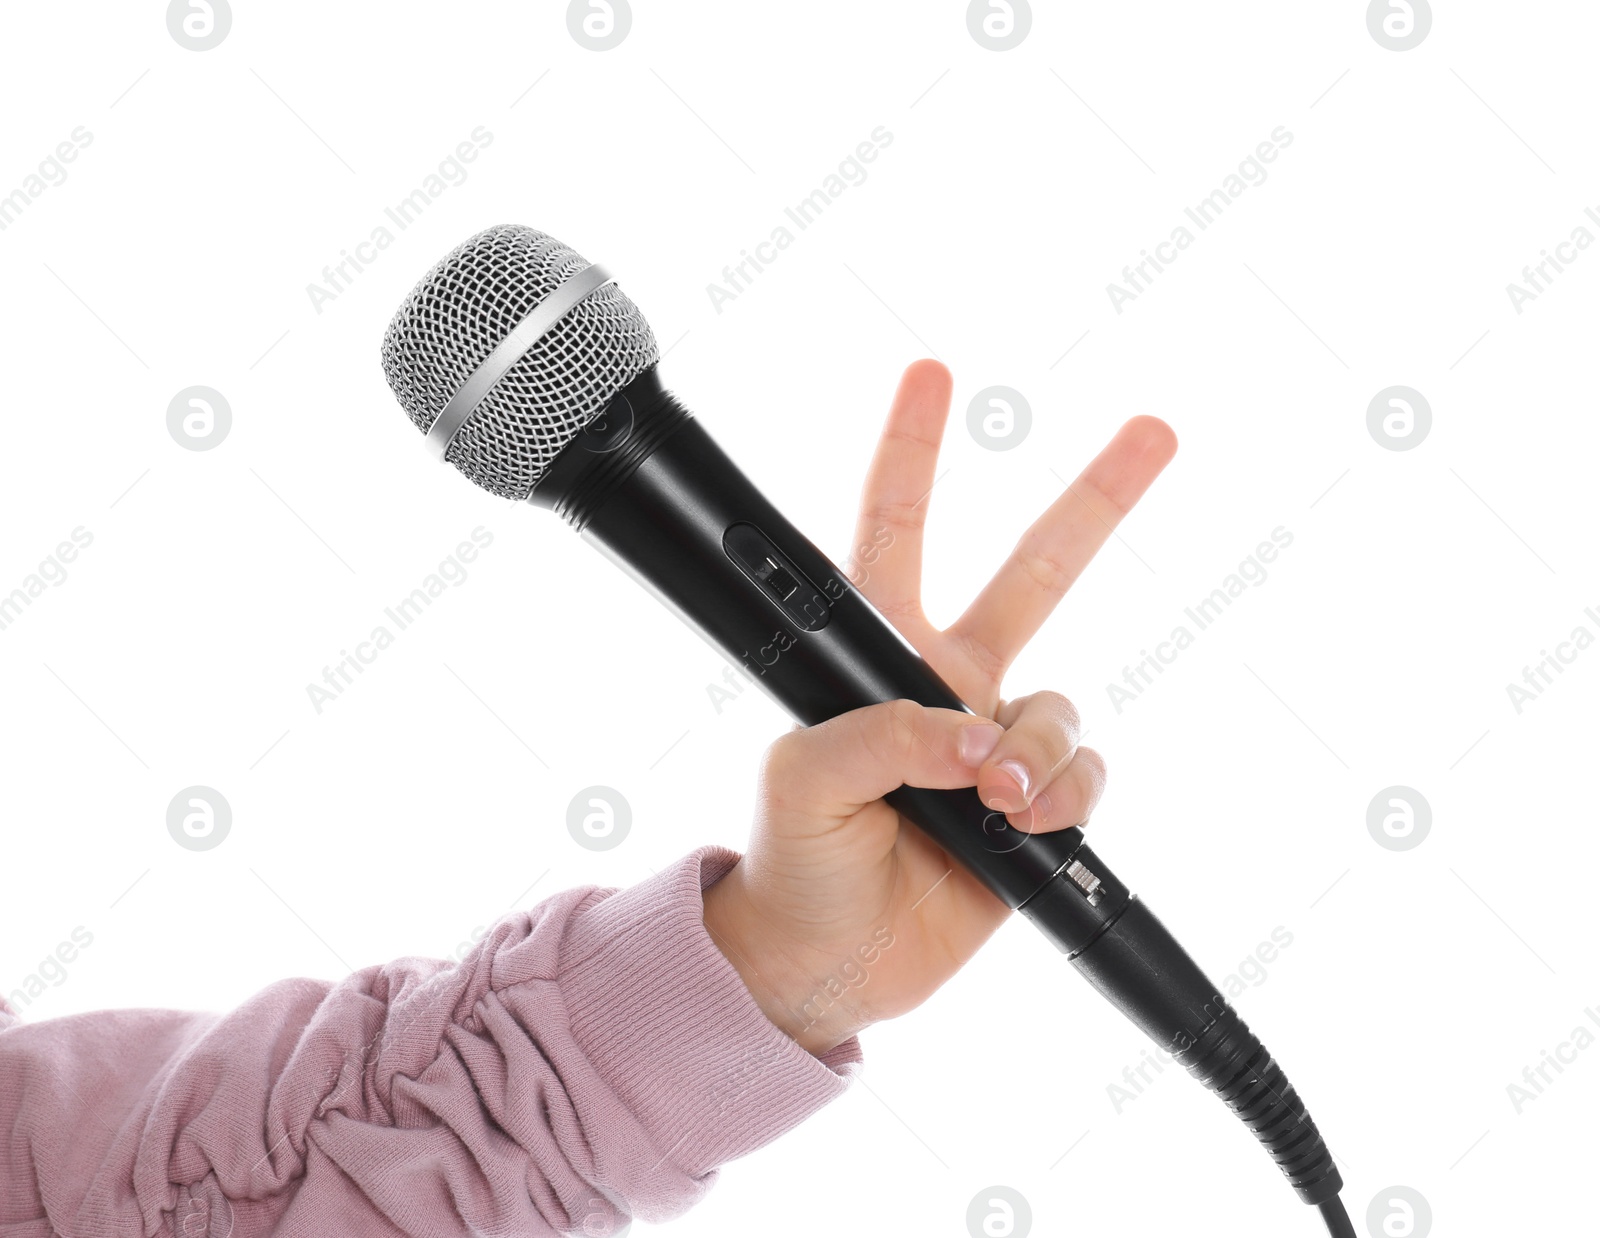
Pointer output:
1059, 545
1040, 739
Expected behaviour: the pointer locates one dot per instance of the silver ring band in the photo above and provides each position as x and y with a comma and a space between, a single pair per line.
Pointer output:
509, 351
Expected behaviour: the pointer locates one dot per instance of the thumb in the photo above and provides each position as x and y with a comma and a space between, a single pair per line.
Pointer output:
836, 767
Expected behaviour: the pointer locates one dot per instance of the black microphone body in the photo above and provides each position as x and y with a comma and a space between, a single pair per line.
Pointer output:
648, 485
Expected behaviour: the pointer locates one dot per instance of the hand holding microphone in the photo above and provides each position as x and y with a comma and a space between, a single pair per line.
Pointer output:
832, 871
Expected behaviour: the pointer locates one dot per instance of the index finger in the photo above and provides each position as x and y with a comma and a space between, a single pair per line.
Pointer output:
888, 545
833, 769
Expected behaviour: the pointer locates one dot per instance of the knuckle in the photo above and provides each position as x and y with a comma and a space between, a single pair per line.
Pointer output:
1046, 729
1061, 711
988, 659
782, 755
1046, 571
898, 609
904, 517
884, 730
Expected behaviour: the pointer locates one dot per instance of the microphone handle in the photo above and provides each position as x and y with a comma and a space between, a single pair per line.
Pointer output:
650, 487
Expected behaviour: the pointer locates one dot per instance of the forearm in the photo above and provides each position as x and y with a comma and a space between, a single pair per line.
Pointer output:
592, 1059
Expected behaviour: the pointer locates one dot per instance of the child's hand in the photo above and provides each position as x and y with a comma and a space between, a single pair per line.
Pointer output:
842, 914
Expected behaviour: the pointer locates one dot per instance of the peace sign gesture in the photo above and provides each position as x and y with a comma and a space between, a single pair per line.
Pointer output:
973, 653
833, 873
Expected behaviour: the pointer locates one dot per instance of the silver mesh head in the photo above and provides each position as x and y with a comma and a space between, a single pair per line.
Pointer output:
468, 304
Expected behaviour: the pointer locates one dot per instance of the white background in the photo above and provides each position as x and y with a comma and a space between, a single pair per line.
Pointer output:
1018, 184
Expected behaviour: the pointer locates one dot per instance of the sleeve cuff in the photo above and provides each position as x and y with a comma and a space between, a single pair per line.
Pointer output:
665, 1019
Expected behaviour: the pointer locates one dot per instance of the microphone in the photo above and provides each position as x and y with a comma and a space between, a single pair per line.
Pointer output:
532, 372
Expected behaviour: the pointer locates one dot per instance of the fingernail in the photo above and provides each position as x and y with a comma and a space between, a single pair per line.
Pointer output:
977, 742
1019, 773
1041, 809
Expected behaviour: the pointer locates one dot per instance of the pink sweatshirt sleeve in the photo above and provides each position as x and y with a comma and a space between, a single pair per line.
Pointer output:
593, 1059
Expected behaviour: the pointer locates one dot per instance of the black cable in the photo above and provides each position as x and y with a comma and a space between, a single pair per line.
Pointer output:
1336, 1218
1120, 947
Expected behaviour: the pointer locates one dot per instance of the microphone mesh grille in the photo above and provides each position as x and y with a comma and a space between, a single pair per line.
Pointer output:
465, 306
